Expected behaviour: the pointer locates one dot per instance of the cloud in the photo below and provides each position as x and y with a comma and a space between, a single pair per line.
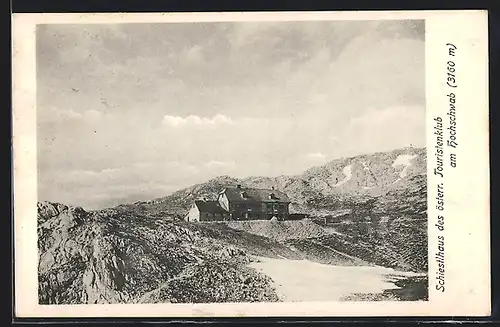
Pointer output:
59, 116
195, 54
100, 196
191, 101
396, 117
93, 114
316, 156
194, 120
387, 129
214, 164
99, 188
59, 42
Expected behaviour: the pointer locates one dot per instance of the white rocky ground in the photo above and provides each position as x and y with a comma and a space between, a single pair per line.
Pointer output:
304, 280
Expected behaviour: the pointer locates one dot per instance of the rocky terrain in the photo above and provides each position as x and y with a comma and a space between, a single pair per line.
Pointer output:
395, 244
366, 210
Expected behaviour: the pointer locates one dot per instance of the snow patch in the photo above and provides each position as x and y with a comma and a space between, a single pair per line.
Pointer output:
311, 281
403, 160
348, 174
365, 166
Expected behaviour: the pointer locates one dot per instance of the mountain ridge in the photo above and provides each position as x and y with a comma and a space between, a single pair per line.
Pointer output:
321, 190
144, 252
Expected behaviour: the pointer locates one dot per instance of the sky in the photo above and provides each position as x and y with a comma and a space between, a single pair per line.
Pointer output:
130, 112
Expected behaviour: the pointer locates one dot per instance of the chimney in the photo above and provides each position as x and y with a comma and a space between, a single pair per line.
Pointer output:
238, 186
272, 188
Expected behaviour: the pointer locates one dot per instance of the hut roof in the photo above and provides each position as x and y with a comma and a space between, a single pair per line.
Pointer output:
245, 194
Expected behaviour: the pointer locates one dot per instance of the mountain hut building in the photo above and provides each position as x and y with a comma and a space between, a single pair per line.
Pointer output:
239, 203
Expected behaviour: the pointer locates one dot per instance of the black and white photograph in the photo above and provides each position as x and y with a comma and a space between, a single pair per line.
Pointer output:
231, 162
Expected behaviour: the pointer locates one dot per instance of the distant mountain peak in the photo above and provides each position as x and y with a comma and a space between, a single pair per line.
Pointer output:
318, 189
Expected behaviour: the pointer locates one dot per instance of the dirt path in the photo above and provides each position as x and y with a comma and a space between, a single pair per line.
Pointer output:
303, 280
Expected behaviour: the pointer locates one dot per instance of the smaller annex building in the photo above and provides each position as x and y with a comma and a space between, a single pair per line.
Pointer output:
206, 210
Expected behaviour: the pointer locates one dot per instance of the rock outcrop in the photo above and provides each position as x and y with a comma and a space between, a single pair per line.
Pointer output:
115, 257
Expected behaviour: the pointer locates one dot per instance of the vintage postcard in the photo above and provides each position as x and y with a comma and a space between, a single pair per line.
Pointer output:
251, 164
